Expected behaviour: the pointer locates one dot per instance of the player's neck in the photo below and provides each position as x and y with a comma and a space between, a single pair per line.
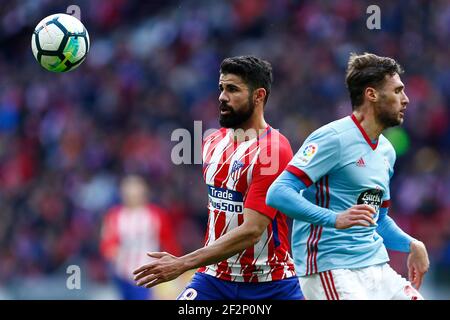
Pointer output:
367, 120
134, 206
250, 129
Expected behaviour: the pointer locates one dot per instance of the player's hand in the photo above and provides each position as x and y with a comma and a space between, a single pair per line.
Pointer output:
418, 263
166, 267
357, 215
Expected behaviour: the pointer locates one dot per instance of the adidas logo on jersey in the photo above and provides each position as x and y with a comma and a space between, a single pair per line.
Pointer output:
360, 162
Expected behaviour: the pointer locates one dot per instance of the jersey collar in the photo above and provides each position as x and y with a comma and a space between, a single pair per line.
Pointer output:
364, 133
267, 130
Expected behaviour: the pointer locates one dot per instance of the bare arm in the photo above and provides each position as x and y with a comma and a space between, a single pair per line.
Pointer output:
167, 267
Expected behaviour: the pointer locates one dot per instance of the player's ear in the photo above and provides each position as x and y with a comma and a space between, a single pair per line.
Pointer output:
259, 95
371, 94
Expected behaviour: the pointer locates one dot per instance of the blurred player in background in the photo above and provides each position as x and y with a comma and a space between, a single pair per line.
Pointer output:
337, 189
246, 254
131, 228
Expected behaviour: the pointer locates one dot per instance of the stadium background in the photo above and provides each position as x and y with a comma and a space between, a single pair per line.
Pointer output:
66, 139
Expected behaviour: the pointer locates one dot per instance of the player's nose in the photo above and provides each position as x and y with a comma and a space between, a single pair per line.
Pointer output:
405, 99
223, 97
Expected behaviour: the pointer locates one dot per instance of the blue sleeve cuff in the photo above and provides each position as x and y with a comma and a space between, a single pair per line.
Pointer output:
331, 222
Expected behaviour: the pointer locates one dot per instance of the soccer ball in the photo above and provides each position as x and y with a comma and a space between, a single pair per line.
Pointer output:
60, 42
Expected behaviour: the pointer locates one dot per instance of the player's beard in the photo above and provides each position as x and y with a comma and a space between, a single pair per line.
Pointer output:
235, 118
385, 115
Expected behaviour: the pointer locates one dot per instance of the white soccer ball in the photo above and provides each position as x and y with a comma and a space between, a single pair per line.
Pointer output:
60, 42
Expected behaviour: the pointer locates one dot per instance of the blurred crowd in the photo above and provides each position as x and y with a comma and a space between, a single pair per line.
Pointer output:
66, 140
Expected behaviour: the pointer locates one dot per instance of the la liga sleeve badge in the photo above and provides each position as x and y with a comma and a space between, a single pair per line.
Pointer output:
307, 153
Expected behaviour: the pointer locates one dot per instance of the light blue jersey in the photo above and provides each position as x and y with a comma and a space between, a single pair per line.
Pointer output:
340, 167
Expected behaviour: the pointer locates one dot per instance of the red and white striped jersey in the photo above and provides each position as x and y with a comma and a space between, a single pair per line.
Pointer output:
127, 234
238, 175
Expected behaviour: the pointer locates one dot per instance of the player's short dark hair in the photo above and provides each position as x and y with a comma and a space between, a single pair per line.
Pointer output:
255, 72
367, 70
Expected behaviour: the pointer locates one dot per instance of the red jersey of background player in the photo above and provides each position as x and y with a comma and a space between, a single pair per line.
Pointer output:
127, 232
238, 175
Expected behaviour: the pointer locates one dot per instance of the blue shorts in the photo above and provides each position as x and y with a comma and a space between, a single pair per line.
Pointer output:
130, 291
206, 287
